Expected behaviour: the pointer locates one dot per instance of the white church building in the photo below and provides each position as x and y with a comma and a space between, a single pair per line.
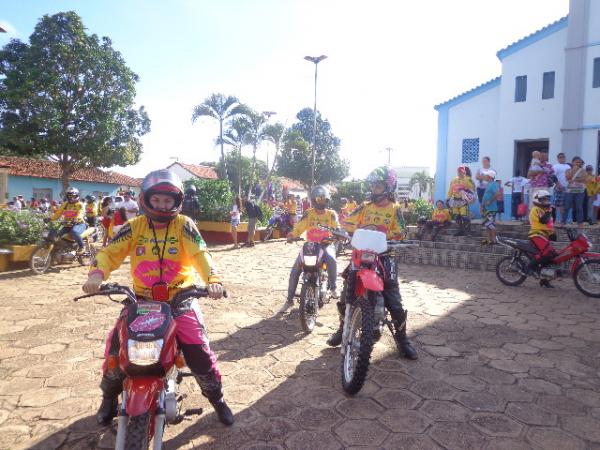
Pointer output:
547, 97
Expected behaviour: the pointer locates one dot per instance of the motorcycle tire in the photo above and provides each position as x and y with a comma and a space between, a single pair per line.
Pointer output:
501, 272
137, 432
339, 248
37, 257
309, 308
89, 255
268, 233
582, 270
362, 321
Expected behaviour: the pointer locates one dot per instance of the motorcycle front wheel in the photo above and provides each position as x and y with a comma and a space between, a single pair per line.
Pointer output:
40, 260
268, 233
511, 270
137, 433
361, 339
308, 306
587, 278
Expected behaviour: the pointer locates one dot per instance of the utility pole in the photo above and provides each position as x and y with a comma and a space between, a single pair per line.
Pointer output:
389, 150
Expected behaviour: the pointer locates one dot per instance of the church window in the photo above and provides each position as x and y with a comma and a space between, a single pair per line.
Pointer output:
470, 150
548, 85
596, 82
521, 88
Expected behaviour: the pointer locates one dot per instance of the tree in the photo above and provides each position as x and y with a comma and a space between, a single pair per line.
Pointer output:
235, 163
296, 156
220, 107
236, 137
254, 124
276, 134
422, 180
69, 96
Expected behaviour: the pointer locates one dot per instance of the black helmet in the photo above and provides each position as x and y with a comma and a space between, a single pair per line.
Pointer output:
161, 182
319, 197
72, 194
190, 190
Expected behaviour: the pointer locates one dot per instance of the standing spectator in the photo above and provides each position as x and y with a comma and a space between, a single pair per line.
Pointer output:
236, 212
576, 178
590, 193
500, 199
481, 176
560, 189
305, 205
106, 213
33, 204
130, 205
541, 177
254, 214
352, 205
290, 207
17, 205
489, 209
516, 183
44, 205
22, 201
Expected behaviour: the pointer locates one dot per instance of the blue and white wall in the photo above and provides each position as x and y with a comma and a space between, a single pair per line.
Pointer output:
18, 185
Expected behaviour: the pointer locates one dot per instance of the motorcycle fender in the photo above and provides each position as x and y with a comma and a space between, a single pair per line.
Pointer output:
583, 257
142, 393
370, 280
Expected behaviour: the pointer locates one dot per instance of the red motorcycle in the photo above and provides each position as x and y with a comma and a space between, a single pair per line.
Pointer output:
151, 362
585, 269
366, 317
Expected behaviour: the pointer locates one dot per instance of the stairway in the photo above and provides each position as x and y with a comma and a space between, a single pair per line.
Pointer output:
466, 252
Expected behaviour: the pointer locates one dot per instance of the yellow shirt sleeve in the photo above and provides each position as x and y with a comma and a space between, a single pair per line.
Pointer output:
352, 221
301, 226
59, 211
113, 255
195, 248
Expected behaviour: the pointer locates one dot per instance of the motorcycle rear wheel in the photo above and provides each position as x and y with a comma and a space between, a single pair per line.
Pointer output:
308, 307
137, 433
268, 233
361, 339
581, 277
509, 272
90, 253
40, 260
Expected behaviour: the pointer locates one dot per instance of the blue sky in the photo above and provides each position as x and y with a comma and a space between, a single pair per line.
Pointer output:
389, 63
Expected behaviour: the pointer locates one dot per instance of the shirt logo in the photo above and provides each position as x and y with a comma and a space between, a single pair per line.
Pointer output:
172, 251
140, 251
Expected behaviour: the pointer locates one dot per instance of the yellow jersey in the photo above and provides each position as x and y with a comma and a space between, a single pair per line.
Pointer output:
69, 213
310, 222
440, 215
457, 185
180, 244
91, 210
538, 228
387, 219
290, 207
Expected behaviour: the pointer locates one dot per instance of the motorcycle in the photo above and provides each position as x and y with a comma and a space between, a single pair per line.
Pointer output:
313, 294
280, 220
152, 363
366, 317
55, 249
585, 270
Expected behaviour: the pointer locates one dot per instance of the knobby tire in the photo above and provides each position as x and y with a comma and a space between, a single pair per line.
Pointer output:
304, 310
136, 436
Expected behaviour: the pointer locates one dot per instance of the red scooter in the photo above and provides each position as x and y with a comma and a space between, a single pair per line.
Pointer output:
151, 362
585, 269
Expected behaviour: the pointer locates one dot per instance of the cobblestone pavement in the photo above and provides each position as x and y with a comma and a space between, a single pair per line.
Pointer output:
499, 368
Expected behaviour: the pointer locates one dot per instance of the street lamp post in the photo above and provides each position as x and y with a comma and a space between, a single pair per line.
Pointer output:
316, 60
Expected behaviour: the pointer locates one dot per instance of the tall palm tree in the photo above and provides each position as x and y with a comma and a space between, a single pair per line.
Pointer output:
220, 107
422, 180
276, 134
255, 124
236, 136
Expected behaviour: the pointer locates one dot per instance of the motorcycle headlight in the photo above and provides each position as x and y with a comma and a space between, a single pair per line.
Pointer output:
144, 353
310, 260
367, 258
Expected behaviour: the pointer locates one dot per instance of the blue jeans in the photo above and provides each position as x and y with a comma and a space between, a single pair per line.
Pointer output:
75, 232
574, 201
328, 258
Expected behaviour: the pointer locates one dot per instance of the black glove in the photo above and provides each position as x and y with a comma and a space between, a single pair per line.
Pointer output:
552, 237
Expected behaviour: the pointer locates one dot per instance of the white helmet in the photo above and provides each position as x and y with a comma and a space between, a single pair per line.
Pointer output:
541, 198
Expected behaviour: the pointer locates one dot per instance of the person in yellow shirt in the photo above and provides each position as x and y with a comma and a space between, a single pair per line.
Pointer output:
542, 232
460, 195
383, 214
164, 248
319, 214
289, 205
352, 205
70, 213
91, 210
440, 219
591, 190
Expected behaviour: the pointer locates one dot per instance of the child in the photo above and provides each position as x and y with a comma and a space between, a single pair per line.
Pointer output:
517, 183
535, 165
440, 219
489, 209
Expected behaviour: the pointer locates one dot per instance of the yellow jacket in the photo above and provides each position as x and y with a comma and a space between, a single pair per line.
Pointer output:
457, 185
184, 251
387, 219
440, 215
538, 228
71, 213
310, 221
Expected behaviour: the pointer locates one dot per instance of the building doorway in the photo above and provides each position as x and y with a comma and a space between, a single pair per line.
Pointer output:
523, 150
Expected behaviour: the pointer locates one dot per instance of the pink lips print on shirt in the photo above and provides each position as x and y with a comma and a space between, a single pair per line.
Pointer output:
148, 272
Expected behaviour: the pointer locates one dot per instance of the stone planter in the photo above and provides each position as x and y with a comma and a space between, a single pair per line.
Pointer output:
21, 253
220, 232
4, 260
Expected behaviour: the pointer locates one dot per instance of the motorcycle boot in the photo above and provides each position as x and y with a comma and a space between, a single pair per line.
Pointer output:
212, 389
223, 411
406, 348
336, 338
111, 386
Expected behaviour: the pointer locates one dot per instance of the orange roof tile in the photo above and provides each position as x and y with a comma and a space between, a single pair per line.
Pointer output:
205, 172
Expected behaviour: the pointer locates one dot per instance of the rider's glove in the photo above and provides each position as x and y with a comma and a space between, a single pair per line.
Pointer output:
215, 290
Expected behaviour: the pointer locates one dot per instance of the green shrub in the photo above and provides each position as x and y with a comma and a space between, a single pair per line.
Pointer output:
214, 197
346, 189
20, 228
418, 208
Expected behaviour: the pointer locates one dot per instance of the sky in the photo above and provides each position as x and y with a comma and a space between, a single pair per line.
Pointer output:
389, 62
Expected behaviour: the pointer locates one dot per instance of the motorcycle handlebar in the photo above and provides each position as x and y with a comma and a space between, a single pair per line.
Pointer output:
109, 289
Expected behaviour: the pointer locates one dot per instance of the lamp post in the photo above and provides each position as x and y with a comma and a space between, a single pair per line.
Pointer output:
316, 60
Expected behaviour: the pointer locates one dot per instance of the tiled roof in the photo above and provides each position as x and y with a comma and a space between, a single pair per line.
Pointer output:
533, 37
470, 93
294, 185
206, 172
43, 168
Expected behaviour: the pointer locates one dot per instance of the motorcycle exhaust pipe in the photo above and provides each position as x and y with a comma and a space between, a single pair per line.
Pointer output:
121, 424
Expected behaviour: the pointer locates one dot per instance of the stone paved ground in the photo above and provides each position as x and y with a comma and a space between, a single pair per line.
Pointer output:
499, 368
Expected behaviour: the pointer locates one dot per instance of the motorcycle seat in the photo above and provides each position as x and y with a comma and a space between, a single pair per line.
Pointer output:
521, 244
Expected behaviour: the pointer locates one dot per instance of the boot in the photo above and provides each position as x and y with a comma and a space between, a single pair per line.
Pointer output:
223, 412
111, 386
336, 338
405, 347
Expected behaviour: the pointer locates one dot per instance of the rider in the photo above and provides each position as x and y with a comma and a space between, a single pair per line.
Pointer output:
290, 208
191, 206
91, 210
164, 247
460, 194
382, 214
319, 214
542, 231
71, 212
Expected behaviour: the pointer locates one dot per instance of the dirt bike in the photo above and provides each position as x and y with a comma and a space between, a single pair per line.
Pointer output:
366, 317
152, 363
280, 220
55, 250
585, 270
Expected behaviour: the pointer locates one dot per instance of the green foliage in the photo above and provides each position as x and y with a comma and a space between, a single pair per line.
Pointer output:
296, 156
422, 180
233, 170
214, 197
69, 96
20, 228
418, 208
356, 188
267, 212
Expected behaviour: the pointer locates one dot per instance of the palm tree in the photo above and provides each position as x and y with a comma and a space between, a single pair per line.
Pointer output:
236, 136
422, 180
255, 124
220, 107
276, 134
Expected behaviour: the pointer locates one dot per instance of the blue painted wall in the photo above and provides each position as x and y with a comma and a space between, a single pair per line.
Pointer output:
24, 186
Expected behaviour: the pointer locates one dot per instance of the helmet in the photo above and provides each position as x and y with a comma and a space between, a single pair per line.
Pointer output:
92, 198
386, 175
190, 190
541, 198
161, 182
320, 197
72, 194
